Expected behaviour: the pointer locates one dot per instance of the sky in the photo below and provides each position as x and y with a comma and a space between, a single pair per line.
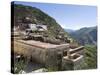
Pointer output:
67, 15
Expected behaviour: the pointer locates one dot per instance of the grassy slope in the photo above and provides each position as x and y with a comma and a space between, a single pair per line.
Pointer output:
90, 57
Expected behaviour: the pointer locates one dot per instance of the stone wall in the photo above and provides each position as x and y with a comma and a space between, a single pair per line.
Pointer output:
49, 57
72, 64
74, 59
59, 57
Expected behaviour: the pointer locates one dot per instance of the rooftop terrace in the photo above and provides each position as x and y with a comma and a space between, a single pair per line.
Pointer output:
41, 44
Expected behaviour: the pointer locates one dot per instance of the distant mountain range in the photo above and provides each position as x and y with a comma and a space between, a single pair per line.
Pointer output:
86, 35
69, 30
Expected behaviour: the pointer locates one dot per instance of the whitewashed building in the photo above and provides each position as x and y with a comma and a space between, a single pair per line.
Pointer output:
32, 26
37, 27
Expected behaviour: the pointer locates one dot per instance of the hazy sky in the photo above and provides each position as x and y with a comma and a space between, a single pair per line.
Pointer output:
68, 16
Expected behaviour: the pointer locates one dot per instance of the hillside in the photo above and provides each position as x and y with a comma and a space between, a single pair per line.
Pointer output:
90, 57
24, 15
85, 35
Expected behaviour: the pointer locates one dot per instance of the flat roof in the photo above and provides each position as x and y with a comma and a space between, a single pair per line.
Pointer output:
41, 44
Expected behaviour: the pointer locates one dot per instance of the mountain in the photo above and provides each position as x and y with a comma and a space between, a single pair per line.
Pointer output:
69, 30
86, 35
23, 15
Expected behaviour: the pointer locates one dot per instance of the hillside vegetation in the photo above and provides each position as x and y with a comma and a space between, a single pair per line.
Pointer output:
36, 16
90, 57
85, 35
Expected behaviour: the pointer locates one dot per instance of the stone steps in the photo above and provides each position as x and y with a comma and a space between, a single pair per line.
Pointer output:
76, 49
73, 59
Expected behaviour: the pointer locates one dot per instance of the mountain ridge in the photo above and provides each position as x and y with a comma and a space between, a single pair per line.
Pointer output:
85, 35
